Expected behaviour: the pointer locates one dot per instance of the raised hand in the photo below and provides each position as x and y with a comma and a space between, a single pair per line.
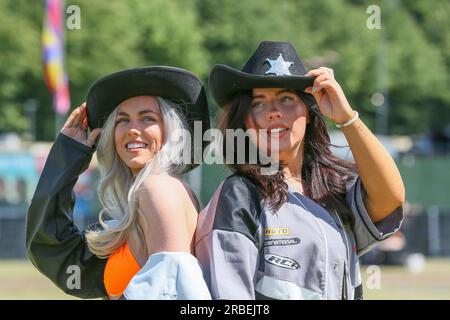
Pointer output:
76, 127
329, 96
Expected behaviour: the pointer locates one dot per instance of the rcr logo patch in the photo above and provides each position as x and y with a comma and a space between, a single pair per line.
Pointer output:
281, 242
268, 232
282, 262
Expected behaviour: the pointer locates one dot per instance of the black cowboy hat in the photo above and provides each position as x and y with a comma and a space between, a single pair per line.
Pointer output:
174, 84
273, 65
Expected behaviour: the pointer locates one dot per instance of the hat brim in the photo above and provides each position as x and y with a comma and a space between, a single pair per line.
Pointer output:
174, 84
226, 82
167, 82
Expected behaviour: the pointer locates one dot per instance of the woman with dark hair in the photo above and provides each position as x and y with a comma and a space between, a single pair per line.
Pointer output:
297, 233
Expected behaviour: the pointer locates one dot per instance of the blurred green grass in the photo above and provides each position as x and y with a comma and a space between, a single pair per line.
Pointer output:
20, 280
398, 283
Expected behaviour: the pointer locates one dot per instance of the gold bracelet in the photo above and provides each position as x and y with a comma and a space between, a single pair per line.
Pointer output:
349, 122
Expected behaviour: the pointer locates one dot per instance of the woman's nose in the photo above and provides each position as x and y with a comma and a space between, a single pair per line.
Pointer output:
133, 131
274, 112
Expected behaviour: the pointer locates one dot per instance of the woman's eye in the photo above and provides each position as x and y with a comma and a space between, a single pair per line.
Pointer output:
121, 121
286, 99
257, 105
148, 119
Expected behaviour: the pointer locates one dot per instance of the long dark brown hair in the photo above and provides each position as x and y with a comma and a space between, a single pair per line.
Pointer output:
326, 176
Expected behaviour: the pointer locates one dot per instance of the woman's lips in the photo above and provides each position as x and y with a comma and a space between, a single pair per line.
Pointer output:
135, 150
275, 132
134, 147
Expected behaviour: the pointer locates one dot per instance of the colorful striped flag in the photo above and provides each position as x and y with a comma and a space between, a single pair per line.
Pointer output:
53, 52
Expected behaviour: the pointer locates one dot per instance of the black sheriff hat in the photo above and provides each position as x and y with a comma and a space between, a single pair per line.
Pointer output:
273, 65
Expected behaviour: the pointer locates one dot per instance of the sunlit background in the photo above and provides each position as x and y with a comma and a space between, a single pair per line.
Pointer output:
391, 57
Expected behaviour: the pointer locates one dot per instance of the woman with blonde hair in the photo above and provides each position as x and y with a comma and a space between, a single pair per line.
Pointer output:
142, 247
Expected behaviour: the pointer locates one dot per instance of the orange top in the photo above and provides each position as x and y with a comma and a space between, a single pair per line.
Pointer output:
120, 268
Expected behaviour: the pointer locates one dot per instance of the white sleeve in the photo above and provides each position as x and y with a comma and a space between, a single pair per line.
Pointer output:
367, 233
168, 276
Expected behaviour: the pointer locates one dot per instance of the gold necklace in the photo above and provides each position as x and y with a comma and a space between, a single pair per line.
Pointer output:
295, 178
299, 180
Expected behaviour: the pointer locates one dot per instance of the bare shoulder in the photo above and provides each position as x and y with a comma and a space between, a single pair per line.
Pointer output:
166, 199
161, 182
162, 201
162, 193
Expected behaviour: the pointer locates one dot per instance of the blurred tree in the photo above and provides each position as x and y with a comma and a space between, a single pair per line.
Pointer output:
126, 34
417, 77
113, 36
19, 61
197, 34
431, 17
335, 34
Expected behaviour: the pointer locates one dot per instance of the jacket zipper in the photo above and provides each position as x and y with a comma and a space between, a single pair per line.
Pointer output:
344, 286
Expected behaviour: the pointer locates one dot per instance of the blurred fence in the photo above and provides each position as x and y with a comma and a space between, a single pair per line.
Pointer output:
426, 227
12, 232
426, 232
426, 179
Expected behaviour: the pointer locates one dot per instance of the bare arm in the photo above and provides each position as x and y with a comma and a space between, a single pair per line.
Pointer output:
378, 172
381, 179
164, 207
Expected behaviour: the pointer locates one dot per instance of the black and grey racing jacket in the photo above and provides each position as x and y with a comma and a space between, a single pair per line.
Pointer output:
300, 252
55, 246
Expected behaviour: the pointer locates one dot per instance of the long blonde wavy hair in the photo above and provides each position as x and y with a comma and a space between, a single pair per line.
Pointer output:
121, 219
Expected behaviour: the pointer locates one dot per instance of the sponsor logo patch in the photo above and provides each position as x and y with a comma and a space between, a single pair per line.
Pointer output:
268, 232
282, 262
281, 242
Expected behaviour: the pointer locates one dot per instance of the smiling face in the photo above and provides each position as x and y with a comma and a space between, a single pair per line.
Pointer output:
139, 131
283, 114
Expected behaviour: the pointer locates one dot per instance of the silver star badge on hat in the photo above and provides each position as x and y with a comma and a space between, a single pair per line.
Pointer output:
279, 67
